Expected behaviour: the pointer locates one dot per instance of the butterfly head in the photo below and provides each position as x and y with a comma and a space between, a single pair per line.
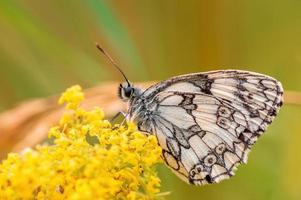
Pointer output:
126, 91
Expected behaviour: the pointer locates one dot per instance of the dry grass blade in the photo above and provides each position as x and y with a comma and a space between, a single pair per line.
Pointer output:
292, 97
28, 124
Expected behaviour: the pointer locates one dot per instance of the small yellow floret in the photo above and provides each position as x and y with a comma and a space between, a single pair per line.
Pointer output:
89, 159
73, 96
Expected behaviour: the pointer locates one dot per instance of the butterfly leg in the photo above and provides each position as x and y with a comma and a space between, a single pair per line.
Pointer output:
125, 115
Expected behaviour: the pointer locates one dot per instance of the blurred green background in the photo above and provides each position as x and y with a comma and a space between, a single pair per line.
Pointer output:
46, 46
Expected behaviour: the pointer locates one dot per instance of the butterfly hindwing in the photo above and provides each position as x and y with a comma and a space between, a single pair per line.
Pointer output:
206, 123
194, 142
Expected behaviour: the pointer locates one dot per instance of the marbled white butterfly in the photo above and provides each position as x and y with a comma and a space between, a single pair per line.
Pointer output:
206, 123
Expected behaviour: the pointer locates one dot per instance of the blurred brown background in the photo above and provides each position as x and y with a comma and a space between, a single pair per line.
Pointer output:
46, 46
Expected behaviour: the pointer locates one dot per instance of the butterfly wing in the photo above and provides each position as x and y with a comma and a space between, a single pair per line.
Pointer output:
206, 123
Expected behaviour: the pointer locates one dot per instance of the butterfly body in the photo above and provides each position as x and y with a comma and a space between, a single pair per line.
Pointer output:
206, 123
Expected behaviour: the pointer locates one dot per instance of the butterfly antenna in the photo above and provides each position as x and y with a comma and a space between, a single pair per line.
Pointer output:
112, 61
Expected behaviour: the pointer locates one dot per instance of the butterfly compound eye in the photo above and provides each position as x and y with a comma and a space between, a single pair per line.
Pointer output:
128, 91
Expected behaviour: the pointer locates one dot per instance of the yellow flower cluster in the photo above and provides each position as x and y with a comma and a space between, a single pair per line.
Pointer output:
85, 158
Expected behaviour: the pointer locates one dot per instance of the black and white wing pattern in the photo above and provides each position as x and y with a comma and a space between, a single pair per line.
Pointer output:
206, 123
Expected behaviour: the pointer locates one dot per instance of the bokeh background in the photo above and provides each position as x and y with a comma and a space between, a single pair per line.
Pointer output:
46, 46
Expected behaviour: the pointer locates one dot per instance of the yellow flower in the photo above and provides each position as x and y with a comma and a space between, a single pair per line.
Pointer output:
72, 96
85, 158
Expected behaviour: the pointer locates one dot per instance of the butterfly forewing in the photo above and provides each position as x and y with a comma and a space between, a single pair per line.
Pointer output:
206, 123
